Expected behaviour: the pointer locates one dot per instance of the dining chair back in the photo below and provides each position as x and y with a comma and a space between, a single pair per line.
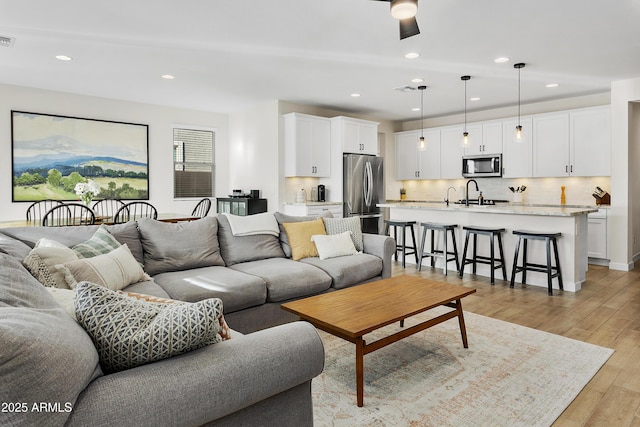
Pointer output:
68, 214
202, 208
107, 208
37, 210
135, 210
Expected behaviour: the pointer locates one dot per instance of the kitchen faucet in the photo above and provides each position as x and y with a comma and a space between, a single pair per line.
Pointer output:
447, 199
466, 202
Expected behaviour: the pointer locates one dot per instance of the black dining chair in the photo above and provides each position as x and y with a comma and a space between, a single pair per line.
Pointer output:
135, 210
202, 208
106, 208
37, 210
68, 214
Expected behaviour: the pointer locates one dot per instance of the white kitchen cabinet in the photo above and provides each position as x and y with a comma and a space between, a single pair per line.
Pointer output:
355, 135
451, 152
517, 157
591, 141
597, 236
485, 138
551, 145
411, 162
313, 209
307, 143
476, 139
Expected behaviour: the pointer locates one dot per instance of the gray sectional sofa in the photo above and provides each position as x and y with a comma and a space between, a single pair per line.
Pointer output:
262, 376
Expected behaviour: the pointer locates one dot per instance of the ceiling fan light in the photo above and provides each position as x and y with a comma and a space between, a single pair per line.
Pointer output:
403, 9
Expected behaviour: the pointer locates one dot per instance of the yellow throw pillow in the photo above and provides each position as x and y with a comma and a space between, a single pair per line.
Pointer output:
299, 234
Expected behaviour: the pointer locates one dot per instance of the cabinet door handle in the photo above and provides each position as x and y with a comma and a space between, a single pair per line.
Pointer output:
571, 169
566, 168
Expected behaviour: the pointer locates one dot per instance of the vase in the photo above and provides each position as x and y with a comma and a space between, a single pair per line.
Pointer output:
563, 196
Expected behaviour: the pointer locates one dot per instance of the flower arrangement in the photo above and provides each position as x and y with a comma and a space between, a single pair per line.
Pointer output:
87, 190
403, 193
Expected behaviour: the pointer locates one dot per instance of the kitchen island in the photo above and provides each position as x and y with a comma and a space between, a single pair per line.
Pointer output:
570, 221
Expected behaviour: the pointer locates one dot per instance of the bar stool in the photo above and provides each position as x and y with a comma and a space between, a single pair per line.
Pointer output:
528, 266
437, 253
396, 224
491, 260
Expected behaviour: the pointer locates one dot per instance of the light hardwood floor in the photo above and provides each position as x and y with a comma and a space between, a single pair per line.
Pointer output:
605, 312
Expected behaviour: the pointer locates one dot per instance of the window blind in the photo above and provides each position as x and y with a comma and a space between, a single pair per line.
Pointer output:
193, 163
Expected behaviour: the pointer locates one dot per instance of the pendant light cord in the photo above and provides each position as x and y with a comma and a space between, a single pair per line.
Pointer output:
465, 105
421, 113
519, 84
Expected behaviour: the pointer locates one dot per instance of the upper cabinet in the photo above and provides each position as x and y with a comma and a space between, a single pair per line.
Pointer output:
451, 151
590, 141
551, 145
517, 157
307, 145
355, 135
484, 138
413, 163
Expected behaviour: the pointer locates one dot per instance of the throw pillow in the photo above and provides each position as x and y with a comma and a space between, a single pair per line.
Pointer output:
64, 297
282, 218
49, 243
334, 245
130, 332
179, 246
340, 225
299, 234
42, 263
102, 242
115, 270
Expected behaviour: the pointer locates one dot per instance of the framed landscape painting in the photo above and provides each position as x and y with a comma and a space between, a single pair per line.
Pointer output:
51, 154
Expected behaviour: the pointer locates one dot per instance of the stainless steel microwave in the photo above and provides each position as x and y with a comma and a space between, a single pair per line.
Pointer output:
482, 165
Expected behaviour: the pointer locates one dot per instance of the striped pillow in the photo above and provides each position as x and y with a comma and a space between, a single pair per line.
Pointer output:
102, 242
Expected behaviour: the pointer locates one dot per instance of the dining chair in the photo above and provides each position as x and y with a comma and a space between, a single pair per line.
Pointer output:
68, 214
202, 208
135, 210
37, 210
107, 208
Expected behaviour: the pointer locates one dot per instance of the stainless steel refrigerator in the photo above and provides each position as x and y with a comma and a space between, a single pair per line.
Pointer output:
363, 188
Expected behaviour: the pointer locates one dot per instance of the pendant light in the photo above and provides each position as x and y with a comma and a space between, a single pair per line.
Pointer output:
422, 145
465, 134
519, 135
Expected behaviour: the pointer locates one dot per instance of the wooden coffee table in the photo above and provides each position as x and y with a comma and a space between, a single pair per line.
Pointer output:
354, 312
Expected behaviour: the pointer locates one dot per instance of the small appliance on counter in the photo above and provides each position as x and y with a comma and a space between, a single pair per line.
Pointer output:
255, 194
301, 196
601, 196
322, 193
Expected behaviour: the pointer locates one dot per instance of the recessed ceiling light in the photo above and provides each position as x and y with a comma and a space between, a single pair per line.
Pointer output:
168, 77
355, 95
417, 80
415, 109
553, 85
501, 60
475, 98
63, 57
412, 55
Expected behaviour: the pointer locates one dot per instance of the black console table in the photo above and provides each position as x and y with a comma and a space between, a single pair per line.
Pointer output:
242, 206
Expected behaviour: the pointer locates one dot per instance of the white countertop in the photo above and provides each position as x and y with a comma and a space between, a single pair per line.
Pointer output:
313, 203
500, 208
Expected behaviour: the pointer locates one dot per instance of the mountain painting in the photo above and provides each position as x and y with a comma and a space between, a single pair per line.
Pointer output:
51, 154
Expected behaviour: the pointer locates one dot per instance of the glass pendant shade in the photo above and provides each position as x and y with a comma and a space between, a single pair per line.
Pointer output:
465, 139
518, 135
422, 145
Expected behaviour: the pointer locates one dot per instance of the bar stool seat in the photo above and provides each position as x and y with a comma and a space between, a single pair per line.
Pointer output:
493, 233
438, 253
551, 270
402, 247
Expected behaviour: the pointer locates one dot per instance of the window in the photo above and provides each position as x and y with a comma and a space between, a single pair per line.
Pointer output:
193, 162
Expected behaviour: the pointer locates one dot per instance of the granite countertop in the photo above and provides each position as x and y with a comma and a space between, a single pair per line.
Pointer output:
500, 208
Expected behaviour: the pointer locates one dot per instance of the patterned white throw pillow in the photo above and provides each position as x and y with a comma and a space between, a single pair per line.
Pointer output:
334, 245
130, 332
340, 225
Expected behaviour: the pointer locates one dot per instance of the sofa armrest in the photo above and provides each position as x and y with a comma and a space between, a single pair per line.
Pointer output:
206, 384
382, 247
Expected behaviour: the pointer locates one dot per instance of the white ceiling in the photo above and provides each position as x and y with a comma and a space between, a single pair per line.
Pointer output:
228, 56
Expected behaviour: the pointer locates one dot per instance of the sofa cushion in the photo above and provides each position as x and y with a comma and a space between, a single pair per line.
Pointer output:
13, 247
68, 236
115, 270
43, 261
237, 249
45, 355
149, 287
102, 242
286, 279
179, 246
130, 332
348, 270
236, 290
282, 218
128, 233
334, 245
340, 225
299, 234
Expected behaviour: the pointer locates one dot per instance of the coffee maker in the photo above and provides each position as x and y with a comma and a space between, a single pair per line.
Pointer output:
322, 193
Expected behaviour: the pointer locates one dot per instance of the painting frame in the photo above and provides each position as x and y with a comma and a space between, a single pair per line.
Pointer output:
50, 153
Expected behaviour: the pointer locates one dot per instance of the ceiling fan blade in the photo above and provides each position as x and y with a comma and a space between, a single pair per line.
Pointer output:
408, 28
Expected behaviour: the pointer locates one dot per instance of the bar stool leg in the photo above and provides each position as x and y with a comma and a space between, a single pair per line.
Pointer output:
504, 268
404, 246
555, 250
492, 251
433, 247
424, 237
524, 263
464, 254
515, 262
455, 248
547, 243
445, 250
475, 248
413, 239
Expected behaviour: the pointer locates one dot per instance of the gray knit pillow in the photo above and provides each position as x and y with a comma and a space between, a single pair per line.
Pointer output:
340, 225
130, 332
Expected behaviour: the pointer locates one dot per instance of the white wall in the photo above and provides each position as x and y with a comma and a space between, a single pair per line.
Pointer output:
160, 119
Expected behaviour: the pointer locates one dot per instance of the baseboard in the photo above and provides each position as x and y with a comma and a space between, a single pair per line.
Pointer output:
599, 261
621, 267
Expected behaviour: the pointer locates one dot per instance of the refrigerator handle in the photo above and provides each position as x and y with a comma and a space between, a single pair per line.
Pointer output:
368, 183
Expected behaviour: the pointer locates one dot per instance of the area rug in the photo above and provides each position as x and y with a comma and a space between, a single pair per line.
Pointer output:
509, 376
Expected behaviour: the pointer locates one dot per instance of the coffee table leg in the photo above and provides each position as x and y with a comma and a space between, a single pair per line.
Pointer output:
463, 329
360, 370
